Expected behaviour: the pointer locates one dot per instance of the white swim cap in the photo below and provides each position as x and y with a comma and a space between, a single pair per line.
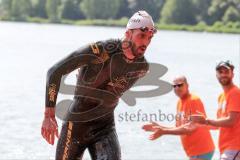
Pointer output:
140, 19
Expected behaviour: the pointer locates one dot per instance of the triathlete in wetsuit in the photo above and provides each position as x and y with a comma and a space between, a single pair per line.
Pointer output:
110, 66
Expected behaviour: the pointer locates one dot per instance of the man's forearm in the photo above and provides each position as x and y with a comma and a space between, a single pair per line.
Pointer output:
166, 127
177, 131
223, 122
73, 61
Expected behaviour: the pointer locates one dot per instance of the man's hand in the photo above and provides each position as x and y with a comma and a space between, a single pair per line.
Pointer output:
150, 127
198, 118
49, 126
228, 121
158, 133
154, 127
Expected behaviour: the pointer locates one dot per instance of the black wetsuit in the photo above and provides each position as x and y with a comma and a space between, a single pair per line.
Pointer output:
103, 67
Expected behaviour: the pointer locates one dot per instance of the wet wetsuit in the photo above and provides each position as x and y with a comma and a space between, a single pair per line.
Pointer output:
104, 67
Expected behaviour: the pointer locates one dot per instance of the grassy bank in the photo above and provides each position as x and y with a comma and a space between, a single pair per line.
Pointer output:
219, 27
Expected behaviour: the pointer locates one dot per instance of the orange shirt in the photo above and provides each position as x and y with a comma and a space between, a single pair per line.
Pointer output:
199, 141
229, 138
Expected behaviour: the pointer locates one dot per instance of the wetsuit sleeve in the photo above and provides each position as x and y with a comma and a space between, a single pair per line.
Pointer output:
81, 57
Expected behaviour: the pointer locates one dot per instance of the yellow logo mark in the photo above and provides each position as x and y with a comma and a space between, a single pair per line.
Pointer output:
69, 134
95, 48
52, 92
103, 57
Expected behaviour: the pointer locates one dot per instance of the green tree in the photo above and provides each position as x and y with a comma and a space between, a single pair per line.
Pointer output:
39, 8
219, 7
124, 10
231, 14
153, 7
178, 12
100, 9
201, 10
71, 10
20, 9
52, 8
5, 8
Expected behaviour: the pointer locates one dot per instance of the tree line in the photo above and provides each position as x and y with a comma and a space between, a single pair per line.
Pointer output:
189, 12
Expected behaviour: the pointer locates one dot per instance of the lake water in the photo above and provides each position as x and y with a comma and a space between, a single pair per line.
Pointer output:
28, 50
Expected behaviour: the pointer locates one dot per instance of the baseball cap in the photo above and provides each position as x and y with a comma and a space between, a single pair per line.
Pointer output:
226, 64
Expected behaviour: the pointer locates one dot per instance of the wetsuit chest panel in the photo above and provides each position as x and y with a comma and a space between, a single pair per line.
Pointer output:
123, 73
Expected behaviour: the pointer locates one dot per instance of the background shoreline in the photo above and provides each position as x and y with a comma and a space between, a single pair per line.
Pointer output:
217, 27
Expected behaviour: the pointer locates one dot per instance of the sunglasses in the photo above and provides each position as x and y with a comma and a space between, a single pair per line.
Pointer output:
147, 29
178, 85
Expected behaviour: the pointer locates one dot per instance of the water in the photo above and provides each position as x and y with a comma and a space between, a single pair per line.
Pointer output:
28, 50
